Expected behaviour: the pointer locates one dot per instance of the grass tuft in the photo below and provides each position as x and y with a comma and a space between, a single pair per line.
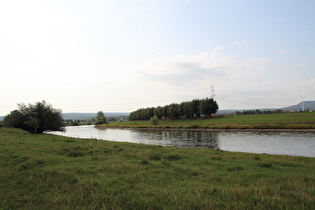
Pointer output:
265, 165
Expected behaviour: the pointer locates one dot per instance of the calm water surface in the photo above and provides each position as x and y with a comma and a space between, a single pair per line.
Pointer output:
283, 143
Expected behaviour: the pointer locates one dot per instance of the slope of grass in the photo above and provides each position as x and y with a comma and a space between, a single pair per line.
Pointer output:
55, 172
304, 120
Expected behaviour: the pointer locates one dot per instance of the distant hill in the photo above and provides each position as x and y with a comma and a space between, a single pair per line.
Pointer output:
229, 111
79, 116
297, 107
307, 105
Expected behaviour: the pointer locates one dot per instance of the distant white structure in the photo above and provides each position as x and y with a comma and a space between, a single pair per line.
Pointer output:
303, 109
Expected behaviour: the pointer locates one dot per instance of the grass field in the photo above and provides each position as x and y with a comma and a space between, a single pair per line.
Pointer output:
305, 120
55, 172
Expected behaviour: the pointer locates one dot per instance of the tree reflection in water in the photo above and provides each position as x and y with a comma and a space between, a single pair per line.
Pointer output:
183, 138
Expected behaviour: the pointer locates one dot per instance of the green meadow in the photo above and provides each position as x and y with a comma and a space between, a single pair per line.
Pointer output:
39, 171
303, 120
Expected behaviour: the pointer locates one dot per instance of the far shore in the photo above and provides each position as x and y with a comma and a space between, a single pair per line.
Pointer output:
282, 122
212, 129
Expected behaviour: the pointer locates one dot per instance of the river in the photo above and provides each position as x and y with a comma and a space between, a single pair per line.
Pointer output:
282, 143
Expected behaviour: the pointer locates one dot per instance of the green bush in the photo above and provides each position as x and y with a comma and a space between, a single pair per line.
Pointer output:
154, 120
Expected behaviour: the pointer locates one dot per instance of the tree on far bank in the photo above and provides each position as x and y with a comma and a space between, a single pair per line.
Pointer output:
35, 118
100, 118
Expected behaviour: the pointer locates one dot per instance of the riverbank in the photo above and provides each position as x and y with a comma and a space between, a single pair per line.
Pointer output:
167, 128
300, 122
55, 172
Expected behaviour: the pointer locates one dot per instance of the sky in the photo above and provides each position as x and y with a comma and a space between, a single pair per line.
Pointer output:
122, 55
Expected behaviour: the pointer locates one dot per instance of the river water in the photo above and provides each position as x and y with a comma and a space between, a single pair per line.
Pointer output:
283, 143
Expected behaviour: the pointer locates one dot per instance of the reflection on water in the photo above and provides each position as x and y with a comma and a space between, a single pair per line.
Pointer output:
285, 143
180, 138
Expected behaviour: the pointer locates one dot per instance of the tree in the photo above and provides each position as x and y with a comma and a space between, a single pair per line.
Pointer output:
100, 118
187, 110
32, 123
195, 107
208, 106
158, 112
99, 115
35, 118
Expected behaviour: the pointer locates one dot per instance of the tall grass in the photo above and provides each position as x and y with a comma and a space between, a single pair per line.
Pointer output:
55, 172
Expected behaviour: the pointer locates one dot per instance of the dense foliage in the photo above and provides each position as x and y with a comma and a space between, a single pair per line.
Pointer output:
35, 118
189, 109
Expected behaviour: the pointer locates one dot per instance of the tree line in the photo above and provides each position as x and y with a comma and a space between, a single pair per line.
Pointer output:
257, 111
190, 109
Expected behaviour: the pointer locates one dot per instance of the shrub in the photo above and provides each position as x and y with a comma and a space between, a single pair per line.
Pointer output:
154, 120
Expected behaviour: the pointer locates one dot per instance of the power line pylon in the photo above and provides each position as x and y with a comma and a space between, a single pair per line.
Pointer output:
212, 92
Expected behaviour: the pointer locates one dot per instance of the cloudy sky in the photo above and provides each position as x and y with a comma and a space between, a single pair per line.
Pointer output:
121, 55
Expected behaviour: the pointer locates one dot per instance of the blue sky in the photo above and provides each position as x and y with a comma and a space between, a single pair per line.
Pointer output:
120, 55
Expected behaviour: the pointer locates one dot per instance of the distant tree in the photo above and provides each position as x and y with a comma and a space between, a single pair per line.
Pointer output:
208, 106
35, 118
188, 112
172, 110
158, 112
195, 107
100, 118
180, 110
75, 123
99, 114
149, 112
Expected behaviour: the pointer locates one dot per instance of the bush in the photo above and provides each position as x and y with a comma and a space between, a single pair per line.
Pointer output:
154, 120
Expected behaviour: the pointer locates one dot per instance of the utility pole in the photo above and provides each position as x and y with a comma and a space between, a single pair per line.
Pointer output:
212, 92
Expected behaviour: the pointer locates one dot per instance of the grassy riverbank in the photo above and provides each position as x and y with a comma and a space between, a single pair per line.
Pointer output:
55, 172
305, 120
